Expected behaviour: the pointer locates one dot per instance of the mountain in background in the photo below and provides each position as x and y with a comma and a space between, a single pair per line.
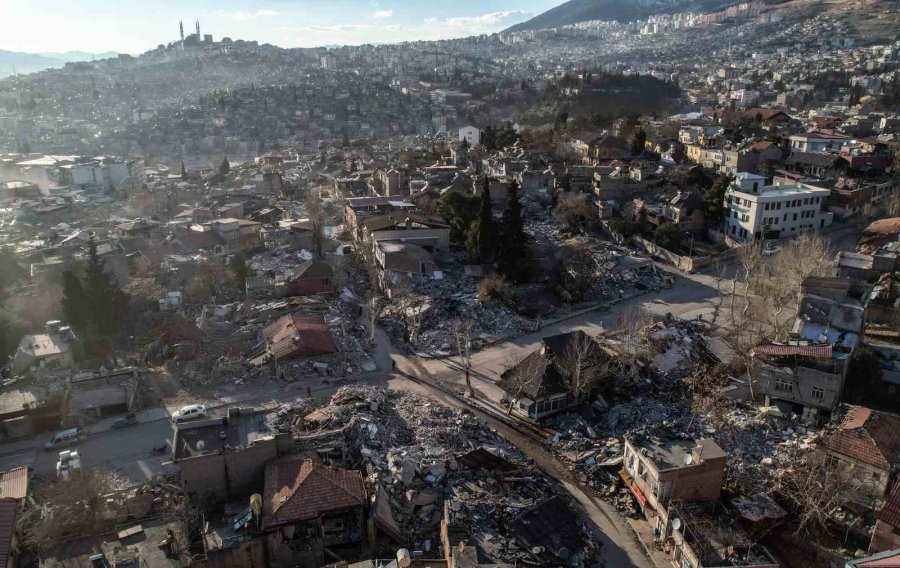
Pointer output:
575, 11
34, 62
79, 55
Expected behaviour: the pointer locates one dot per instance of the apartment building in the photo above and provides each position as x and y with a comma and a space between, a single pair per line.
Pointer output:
754, 210
663, 469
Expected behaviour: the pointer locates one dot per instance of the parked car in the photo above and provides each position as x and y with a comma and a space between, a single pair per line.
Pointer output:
65, 438
69, 461
189, 412
129, 419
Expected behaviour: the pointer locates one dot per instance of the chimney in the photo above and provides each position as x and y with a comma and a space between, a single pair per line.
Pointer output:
697, 454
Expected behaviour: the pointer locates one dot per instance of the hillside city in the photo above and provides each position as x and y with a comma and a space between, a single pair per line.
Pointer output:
584, 292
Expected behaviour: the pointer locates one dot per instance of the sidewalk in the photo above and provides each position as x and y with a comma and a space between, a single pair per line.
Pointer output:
644, 534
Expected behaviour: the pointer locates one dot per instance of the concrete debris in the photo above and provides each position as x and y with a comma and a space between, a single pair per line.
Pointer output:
411, 447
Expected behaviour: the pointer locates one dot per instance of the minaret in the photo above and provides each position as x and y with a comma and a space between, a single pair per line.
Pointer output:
181, 32
197, 24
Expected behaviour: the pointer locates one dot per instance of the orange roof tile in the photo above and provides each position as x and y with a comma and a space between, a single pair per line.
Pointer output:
298, 490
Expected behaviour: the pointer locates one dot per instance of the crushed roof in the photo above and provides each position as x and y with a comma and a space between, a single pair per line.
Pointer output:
867, 435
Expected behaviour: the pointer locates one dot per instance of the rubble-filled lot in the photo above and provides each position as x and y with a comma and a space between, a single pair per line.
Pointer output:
214, 348
678, 393
424, 315
418, 456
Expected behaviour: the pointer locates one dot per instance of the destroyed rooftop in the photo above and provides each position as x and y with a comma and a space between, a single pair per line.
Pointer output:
669, 451
240, 428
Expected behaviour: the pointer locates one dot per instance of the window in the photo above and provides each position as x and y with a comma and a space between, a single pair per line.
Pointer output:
795, 216
818, 393
784, 385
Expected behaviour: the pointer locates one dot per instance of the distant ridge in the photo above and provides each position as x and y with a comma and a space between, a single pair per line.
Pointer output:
575, 11
34, 62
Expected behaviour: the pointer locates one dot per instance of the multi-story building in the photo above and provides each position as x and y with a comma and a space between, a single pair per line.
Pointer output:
757, 211
806, 374
817, 142
661, 470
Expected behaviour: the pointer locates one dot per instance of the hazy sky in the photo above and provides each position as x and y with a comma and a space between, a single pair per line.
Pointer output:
137, 25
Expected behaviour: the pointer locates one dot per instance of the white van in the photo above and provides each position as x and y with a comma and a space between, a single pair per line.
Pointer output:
65, 438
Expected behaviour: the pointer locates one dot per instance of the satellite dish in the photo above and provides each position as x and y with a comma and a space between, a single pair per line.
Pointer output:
676, 524
201, 444
688, 459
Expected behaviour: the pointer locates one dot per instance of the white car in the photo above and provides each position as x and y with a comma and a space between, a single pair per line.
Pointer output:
189, 412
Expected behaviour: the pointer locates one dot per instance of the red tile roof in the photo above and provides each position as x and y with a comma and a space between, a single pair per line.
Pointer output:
890, 513
867, 435
14, 483
817, 351
303, 490
297, 334
9, 509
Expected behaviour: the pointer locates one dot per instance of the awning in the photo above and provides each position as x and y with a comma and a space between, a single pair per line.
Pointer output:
639, 494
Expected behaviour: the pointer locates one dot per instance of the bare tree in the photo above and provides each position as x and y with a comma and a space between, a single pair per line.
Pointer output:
462, 331
374, 307
815, 490
629, 325
71, 507
317, 217
583, 365
574, 209
807, 255
752, 260
524, 373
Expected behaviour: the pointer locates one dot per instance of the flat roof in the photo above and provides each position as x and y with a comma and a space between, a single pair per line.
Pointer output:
670, 452
243, 427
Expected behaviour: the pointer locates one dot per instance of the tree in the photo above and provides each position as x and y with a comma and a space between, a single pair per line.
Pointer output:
100, 292
224, 167
75, 302
814, 490
461, 211
462, 332
11, 270
317, 216
74, 506
523, 375
486, 242
714, 201
11, 331
638, 142
866, 386
582, 365
240, 269
513, 250
574, 209
667, 236
183, 172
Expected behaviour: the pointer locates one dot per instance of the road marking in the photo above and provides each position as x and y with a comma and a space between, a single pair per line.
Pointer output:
145, 469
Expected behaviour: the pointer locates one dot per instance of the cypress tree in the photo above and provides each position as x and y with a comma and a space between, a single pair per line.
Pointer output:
74, 302
486, 244
513, 251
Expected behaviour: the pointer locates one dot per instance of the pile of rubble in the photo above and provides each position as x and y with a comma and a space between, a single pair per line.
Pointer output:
420, 455
215, 348
668, 398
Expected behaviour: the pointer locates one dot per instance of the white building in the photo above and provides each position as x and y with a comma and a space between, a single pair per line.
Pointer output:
758, 211
817, 142
470, 134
